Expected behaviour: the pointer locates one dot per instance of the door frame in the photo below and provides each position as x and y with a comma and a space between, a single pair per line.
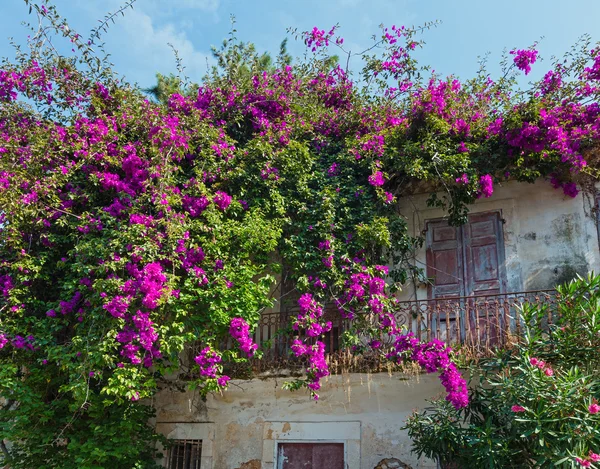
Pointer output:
279, 462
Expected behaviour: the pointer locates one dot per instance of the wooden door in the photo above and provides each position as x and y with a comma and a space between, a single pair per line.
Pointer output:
310, 456
445, 260
466, 261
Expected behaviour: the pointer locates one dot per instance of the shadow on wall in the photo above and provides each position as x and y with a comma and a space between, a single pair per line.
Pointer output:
562, 254
547, 277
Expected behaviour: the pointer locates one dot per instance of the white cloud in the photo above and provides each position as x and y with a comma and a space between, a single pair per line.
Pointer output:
204, 5
141, 48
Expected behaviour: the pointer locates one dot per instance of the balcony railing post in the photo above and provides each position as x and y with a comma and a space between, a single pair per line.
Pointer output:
458, 324
438, 320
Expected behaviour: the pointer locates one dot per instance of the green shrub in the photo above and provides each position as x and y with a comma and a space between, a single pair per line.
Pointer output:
533, 405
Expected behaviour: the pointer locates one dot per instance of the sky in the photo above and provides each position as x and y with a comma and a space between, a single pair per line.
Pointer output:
139, 42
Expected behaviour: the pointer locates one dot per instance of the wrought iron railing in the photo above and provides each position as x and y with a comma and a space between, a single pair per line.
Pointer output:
480, 322
485, 321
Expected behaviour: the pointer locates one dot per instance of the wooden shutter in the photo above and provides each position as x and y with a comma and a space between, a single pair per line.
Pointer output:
445, 260
484, 254
310, 455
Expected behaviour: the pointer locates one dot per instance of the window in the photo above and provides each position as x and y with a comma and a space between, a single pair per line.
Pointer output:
466, 260
310, 455
185, 454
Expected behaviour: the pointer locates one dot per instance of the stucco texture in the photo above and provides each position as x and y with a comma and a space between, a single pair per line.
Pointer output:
242, 427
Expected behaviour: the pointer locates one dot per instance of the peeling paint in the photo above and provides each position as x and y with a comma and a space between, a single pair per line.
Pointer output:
543, 231
253, 464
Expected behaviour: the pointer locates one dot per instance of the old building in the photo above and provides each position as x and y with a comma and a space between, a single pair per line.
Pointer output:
516, 246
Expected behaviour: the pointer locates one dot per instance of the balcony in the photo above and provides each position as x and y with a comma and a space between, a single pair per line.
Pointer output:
479, 323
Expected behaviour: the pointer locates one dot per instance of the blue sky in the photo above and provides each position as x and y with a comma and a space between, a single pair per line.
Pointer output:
470, 28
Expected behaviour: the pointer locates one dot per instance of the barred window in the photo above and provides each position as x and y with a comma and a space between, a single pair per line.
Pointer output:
185, 454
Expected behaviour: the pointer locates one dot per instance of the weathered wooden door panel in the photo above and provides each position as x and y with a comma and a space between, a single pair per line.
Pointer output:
484, 254
466, 260
310, 456
445, 260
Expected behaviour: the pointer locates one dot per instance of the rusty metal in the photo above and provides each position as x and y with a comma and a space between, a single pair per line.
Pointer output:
480, 321
185, 454
484, 322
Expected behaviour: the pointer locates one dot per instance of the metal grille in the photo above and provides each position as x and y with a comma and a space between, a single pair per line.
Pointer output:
185, 454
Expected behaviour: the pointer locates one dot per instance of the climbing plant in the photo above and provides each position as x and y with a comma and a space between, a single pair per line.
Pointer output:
132, 228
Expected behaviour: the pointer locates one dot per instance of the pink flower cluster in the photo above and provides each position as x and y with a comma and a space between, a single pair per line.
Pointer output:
317, 365
377, 179
208, 360
541, 365
486, 186
308, 319
195, 205
587, 462
139, 334
222, 200
433, 356
569, 188
18, 341
464, 179
318, 38
269, 172
240, 331
524, 58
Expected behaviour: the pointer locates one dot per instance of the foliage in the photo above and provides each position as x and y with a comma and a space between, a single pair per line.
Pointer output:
133, 229
535, 405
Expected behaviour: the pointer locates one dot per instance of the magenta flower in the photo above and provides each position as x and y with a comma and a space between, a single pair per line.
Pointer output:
194, 205
376, 179
524, 58
518, 409
464, 179
583, 462
594, 408
240, 331
486, 186
570, 189
222, 200
223, 380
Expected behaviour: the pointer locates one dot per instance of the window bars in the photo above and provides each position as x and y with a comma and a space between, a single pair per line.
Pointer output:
185, 454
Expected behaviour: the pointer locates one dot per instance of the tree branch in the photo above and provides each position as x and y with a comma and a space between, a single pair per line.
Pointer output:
7, 457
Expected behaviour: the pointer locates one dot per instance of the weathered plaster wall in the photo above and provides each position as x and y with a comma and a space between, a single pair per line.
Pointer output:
548, 237
241, 428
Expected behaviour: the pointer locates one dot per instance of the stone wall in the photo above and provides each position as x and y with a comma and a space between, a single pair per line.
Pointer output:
241, 428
